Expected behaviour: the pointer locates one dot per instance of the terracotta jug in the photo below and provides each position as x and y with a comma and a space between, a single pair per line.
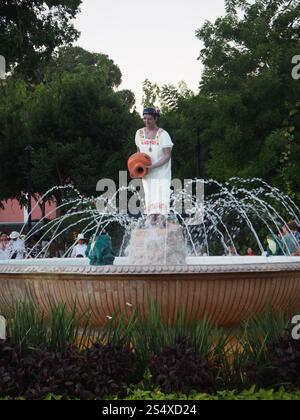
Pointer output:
137, 165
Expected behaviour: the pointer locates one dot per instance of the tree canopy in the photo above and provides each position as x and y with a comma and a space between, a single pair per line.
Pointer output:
64, 100
79, 126
244, 122
30, 30
247, 58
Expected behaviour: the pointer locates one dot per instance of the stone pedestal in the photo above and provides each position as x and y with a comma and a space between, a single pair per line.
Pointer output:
156, 246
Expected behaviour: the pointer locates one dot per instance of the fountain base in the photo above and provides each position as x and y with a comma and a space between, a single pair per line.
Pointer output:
154, 246
225, 291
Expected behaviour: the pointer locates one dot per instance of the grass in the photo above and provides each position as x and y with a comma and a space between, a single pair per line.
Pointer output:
28, 327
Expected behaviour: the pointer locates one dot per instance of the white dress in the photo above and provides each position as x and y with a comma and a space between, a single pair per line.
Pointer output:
79, 250
157, 183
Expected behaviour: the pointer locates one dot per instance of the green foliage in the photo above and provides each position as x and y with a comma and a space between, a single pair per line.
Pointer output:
252, 394
239, 358
248, 395
28, 327
244, 121
79, 126
77, 59
167, 97
247, 60
170, 96
150, 334
14, 99
190, 127
31, 30
151, 94
260, 354
289, 162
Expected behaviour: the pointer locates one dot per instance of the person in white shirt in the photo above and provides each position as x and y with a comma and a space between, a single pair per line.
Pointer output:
4, 247
16, 247
79, 249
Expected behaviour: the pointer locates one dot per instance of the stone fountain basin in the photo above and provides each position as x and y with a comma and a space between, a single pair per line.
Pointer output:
226, 290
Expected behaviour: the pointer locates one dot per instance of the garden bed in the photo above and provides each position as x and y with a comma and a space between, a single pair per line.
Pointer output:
146, 358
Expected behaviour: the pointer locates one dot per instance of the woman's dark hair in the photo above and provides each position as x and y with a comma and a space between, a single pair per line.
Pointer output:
152, 111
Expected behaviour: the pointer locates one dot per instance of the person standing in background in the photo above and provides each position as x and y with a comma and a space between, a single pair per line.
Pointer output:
4, 246
291, 238
16, 247
79, 250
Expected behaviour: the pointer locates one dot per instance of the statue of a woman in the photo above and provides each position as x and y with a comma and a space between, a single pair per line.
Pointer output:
156, 143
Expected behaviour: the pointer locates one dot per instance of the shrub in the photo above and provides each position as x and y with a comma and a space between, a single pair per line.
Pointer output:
89, 374
247, 361
283, 365
104, 370
252, 394
180, 369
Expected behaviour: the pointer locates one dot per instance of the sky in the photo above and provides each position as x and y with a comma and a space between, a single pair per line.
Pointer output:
152, 40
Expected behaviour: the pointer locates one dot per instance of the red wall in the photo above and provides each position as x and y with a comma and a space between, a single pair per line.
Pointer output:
13, 213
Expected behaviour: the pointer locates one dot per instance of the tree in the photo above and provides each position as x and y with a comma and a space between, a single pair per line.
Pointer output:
286, 163
84, 127
167, 97
31, 30
183, 115
75, 59
151, 93
170, 95
189, 124
79, 126
127, 97
247, 56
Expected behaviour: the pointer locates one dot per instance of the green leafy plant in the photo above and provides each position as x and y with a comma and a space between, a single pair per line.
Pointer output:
30, 327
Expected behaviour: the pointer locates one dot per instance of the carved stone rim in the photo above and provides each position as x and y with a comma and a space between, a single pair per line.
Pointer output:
150, 270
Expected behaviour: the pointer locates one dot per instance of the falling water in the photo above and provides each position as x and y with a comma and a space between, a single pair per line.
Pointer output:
239, 213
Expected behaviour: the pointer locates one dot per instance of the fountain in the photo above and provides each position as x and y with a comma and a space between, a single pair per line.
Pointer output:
181, 266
